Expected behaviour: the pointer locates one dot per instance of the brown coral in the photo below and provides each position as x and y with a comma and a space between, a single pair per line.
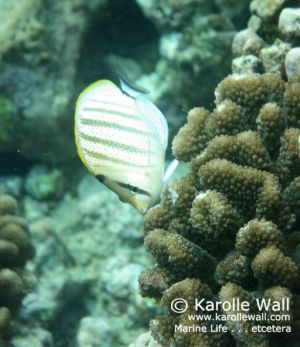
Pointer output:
235, 268
273, 268
242, 330
242, 192
5, 318
15, 250
256, 235
163, 326
193, 133
213, 217
240, 201
178, 255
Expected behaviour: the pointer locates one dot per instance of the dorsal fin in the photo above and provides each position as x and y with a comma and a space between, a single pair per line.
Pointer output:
130, 88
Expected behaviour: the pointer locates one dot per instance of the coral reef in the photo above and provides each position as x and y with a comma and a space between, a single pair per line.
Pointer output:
229, 229
231, 215
15, 250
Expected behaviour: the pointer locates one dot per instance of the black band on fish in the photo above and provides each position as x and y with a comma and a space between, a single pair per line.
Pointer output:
133, 189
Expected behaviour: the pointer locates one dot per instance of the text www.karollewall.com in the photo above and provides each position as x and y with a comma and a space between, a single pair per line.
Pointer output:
234, 317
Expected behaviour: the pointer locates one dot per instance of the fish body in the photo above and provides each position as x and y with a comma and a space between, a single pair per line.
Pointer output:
121, 138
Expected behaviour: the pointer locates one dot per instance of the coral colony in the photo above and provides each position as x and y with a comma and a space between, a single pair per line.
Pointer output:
229, 230
15, 250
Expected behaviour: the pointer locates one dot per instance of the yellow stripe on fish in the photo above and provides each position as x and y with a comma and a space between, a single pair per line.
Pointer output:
121, 138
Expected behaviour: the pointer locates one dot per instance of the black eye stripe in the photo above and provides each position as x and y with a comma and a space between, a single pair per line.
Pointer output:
134, 189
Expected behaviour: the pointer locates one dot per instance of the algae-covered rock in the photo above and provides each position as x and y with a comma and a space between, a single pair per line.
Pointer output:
34, 337
195, 39
266, 9
20, 25
145, 340
43, 184
94, 332
9, 121
273, 56
289, 22
292, 63
40, 47
273, 30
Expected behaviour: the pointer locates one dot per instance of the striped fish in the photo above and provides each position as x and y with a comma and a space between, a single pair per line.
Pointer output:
121, 138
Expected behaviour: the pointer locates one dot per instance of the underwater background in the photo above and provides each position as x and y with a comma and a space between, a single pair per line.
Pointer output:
71, 253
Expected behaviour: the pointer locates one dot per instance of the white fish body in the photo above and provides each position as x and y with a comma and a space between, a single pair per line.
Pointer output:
121, 139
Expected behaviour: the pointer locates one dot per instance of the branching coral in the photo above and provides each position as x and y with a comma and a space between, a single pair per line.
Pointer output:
237, 210
15, 250
272, 267
256, 235
239, 205
163, 326
241, 330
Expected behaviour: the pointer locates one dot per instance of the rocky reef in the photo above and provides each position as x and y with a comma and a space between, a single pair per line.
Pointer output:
230, 228
269, 43
86, 264
15, 251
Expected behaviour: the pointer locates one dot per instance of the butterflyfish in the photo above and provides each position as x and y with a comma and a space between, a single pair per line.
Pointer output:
121, 138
